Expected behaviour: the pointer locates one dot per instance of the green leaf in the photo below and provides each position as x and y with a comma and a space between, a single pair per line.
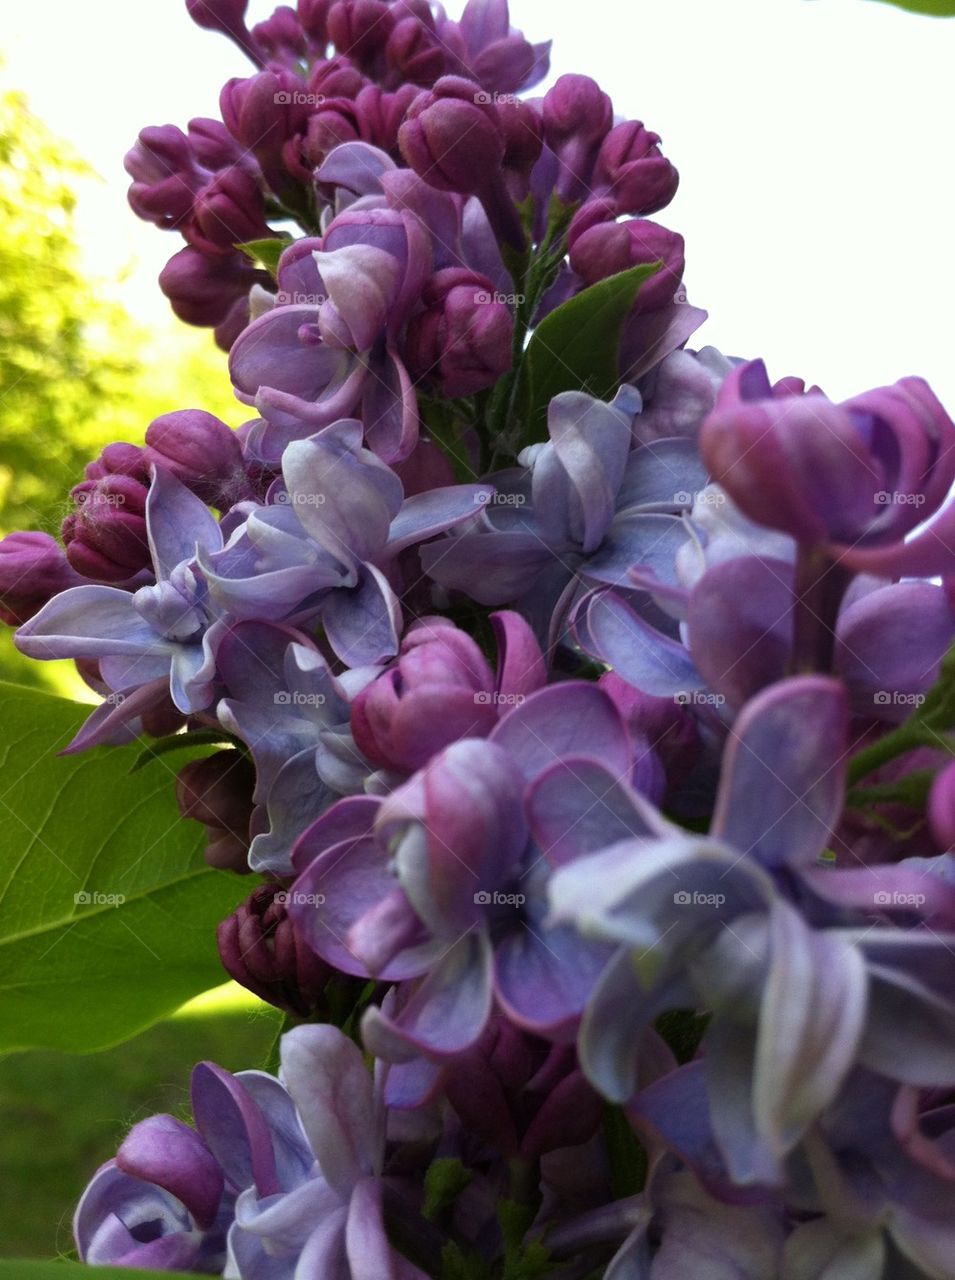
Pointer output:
60, 1269
934, 8
443, 1183
184, 742
927, 726
266, 253
628, 1160
107, 907
575, 347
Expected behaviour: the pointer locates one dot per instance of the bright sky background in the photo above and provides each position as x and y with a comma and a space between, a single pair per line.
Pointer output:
814, 139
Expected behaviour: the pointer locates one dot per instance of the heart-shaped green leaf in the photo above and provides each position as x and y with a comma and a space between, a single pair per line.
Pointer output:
107, 907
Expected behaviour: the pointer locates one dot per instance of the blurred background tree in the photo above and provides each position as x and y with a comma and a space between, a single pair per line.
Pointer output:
76, 372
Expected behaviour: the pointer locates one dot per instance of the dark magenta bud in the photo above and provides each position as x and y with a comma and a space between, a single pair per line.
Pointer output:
360, 28
165, 177
452, 136
280, 38
33, 569
105, 535
335, 78
227, 16
203, 289
610, 247
523, 133
265, 110
230, 210
414, 52
313, 18
260, 949
462, 339
202, 452
217, 792
577, 115
632, 170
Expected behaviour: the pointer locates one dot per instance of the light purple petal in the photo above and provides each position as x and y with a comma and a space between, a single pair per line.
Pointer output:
570, 719
326, 1077
782, 785
362, 623
178, 522
610, 630
89, 622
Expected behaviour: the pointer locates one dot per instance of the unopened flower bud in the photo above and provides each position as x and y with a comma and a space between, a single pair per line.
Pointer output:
217, 791
360, 28
230, 210
201, 451
452, 136
632, 170
105, 535
462, 339
33, 569
611, 247
260, 949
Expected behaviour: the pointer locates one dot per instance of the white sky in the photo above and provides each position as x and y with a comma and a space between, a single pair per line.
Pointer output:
814, 139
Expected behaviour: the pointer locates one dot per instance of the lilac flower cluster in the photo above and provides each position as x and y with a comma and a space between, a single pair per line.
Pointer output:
595, 755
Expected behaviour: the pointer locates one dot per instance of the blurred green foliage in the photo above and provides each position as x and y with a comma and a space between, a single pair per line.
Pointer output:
64, 1115
76, 372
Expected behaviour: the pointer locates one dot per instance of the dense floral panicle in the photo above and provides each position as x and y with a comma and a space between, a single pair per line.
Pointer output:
33, 569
